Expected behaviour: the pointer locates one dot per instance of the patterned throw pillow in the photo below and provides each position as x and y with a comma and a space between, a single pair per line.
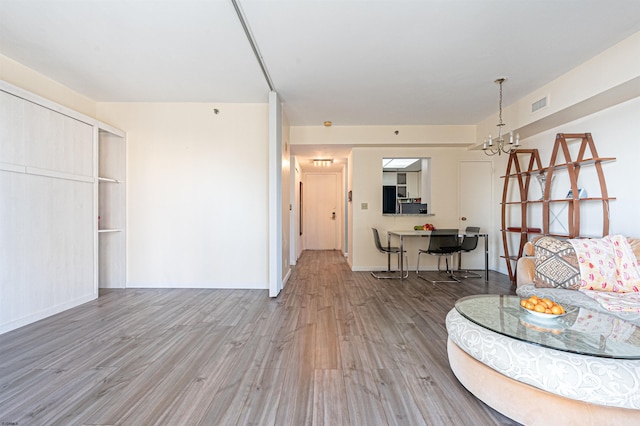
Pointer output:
607, 264
556, 264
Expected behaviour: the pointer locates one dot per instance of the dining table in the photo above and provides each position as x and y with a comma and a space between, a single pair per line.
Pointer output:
402, 233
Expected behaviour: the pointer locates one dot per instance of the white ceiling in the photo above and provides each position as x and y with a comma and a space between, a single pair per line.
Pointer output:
354, 62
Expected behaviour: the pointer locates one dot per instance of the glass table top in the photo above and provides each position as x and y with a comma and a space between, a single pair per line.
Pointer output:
580, 330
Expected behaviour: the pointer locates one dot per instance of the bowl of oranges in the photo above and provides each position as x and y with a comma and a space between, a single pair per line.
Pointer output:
542, 307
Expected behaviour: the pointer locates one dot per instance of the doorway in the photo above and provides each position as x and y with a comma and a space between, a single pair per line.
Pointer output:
475, 205
321, 212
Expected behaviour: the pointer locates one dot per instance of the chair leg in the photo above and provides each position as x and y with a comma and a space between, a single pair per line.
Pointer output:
467, 273
449, 273
393, 275
406, 265
389, 274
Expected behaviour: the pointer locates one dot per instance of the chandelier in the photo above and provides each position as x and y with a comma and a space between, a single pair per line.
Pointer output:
498, 146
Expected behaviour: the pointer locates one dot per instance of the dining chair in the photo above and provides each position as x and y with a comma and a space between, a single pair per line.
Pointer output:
443, 243
388, 250
469, 244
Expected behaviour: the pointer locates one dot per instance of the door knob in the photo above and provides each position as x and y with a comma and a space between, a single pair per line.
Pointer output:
333, 216
463, 218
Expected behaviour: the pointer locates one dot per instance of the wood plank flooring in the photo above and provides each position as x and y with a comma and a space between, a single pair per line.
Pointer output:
335, 348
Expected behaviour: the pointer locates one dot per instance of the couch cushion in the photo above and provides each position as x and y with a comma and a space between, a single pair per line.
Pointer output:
556, 264
529, 249
635, 246
607, 264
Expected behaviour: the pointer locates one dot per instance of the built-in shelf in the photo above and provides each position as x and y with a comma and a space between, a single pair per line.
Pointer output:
108, 180
111, 209
102, 231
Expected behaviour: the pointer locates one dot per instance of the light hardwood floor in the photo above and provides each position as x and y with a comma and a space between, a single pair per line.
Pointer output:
335, 348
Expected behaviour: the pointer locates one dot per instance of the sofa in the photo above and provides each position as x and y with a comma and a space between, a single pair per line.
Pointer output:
536, 385
526, 285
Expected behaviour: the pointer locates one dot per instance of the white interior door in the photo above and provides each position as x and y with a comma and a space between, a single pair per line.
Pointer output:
475, 206
320, 216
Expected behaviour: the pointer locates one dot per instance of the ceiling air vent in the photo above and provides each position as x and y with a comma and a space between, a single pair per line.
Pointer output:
539, 104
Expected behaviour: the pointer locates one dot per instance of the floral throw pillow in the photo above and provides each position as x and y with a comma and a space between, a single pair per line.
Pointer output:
556, 264
607, 264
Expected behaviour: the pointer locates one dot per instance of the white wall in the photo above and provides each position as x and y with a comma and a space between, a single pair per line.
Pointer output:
350, 210
603, 81
28, 79
197, 193
286, 200
296, 238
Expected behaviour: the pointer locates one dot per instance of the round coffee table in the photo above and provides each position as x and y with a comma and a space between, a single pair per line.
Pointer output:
581, 331
581, 367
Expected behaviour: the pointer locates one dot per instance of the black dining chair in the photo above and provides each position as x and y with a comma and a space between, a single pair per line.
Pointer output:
469, 244
388, 274
444, 243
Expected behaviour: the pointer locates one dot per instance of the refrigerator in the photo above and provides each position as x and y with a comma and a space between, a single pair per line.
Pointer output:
389, 199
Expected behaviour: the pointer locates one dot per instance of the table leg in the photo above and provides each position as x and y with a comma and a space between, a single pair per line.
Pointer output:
486, 259
388, 253
401, 257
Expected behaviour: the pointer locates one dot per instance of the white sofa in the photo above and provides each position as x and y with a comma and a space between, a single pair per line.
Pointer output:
525, 273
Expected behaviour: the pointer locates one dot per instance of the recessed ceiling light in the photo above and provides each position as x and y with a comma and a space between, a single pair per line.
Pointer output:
322, 162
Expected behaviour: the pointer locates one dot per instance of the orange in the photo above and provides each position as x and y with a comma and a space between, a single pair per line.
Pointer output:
538, 308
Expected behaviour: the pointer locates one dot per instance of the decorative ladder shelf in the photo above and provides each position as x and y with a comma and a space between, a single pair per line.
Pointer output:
531, 158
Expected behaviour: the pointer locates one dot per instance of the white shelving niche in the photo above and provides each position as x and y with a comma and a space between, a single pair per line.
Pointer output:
111, 208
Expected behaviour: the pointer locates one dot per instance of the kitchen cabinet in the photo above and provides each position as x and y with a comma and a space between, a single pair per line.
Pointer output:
413, 185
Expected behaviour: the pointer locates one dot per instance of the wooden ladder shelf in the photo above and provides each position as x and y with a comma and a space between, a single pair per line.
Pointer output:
560, 160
